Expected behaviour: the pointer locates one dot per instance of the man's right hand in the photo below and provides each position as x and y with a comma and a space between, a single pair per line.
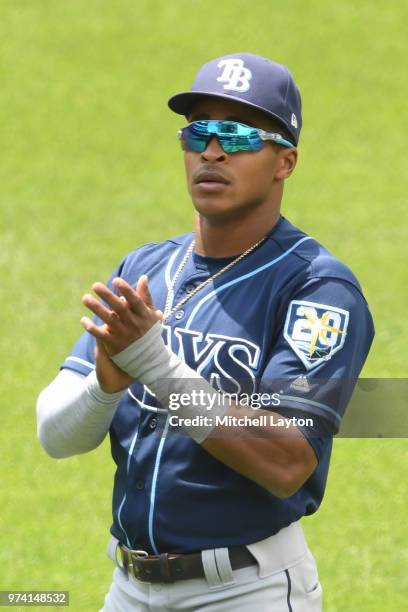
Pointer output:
111, 378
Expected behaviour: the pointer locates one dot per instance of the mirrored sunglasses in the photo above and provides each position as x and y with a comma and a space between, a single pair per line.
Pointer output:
232, 136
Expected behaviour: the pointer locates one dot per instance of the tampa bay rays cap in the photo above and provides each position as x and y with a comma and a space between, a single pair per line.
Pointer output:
250, 79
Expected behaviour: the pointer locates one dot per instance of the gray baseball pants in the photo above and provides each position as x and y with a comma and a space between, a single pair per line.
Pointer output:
285, 580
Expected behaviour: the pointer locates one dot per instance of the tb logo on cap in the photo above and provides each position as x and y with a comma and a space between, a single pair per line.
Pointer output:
235, 75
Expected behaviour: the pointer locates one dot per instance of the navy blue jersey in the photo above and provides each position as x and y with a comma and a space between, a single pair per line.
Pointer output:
290, 311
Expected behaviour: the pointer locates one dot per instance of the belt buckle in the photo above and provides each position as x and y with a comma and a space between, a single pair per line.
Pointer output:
142, 554
139, 553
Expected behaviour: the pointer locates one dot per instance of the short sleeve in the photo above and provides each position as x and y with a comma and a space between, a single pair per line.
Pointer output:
324, 340
82, 356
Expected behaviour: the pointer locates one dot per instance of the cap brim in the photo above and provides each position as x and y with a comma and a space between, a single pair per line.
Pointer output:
182, 103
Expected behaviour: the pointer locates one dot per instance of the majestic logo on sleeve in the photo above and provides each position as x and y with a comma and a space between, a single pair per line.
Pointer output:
315, 331
235, 76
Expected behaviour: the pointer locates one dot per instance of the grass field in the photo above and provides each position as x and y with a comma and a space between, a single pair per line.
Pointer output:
90, 168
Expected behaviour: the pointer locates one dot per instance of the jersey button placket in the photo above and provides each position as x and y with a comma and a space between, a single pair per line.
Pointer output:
184, 290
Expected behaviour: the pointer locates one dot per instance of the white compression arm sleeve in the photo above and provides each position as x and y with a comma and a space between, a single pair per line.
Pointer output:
151, 362
74, 414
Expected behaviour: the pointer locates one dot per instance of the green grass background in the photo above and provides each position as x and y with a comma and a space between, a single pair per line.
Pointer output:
90, 168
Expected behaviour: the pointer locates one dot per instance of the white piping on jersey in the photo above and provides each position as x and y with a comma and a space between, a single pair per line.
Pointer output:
169, 284
242, 278
154, 483
88, 364
301, 400
122, 503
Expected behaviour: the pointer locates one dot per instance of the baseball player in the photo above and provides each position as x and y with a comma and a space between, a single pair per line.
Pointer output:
220, 362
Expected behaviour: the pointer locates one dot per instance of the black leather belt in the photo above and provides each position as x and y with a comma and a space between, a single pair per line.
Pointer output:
169, 567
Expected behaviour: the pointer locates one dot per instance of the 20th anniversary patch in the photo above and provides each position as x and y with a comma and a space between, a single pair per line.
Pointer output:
315, 331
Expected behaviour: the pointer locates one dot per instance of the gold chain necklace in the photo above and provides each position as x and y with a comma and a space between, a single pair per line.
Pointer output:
170, 293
